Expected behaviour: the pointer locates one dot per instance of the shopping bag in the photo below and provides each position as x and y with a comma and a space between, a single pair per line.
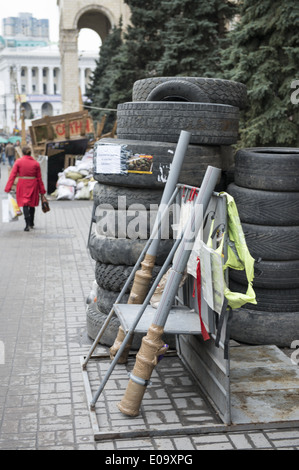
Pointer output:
10, 210
213, 285
13, 207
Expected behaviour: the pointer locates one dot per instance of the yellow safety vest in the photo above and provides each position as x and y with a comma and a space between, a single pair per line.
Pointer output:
238, 256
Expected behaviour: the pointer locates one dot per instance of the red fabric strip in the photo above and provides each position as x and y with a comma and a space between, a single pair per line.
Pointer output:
204, 332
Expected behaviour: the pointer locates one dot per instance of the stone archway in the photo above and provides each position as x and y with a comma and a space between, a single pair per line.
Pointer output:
47, 109
98, 15
28, 113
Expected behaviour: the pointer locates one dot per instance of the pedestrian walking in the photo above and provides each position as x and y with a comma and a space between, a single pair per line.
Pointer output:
10, 153
30, 185
3, 153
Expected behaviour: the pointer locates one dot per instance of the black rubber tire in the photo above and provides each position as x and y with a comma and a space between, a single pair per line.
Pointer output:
259, 327
266, 207
178, 90
113, 278
268, 169
108, 194
271, 275
124, 251
217, 90
272, 243
196, 161
209, 124
107, 298
131, 223
271, 300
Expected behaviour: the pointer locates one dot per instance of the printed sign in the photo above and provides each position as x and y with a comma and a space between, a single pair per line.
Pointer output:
108, 159
141, 164
59, 130
75, 128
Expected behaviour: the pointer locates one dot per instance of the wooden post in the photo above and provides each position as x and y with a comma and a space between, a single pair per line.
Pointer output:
100, 126
23, 141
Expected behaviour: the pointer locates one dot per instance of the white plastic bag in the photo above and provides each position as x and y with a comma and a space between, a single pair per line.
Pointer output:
83, 193
211, 264
65, 192
10, 210
63, 181
14, 209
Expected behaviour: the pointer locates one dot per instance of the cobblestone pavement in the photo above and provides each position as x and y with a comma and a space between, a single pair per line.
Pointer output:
46, 275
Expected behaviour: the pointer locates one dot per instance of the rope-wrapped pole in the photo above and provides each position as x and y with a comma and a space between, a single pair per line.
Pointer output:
153, 346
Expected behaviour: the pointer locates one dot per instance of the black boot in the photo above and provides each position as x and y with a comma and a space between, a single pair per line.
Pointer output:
26, 229
31, 219
27, 218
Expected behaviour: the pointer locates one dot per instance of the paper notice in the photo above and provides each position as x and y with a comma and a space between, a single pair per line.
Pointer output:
108, 159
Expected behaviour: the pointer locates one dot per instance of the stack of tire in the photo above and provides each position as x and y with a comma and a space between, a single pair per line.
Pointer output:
266, 191
151, 125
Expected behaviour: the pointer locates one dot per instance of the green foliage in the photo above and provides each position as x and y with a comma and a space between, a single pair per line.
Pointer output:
142, 43
193, 36
264, 55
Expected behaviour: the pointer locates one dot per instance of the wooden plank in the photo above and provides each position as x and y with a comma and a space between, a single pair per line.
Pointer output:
62, 127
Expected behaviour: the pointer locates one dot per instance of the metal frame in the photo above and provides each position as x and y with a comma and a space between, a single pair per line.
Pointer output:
195, 354
142, 308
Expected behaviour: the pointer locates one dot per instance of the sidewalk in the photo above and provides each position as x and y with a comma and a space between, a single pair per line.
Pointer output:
46, 275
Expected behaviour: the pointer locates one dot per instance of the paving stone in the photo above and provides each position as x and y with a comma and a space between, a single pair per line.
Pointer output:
240, 441
183, 443
259, 440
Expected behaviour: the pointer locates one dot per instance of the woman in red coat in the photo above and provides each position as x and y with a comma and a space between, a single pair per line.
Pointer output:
29, 187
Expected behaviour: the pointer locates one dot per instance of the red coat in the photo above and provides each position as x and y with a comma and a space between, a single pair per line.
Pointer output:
28, 190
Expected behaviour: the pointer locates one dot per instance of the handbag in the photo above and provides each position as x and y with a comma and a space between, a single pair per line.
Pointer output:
45, 203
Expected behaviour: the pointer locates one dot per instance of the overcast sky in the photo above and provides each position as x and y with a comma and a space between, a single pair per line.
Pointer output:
41, 9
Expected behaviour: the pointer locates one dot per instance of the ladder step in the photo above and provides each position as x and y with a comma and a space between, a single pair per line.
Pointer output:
181, 320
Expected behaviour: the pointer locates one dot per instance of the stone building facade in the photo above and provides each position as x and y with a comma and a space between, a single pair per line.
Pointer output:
31, 78
44, 78
98, 15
